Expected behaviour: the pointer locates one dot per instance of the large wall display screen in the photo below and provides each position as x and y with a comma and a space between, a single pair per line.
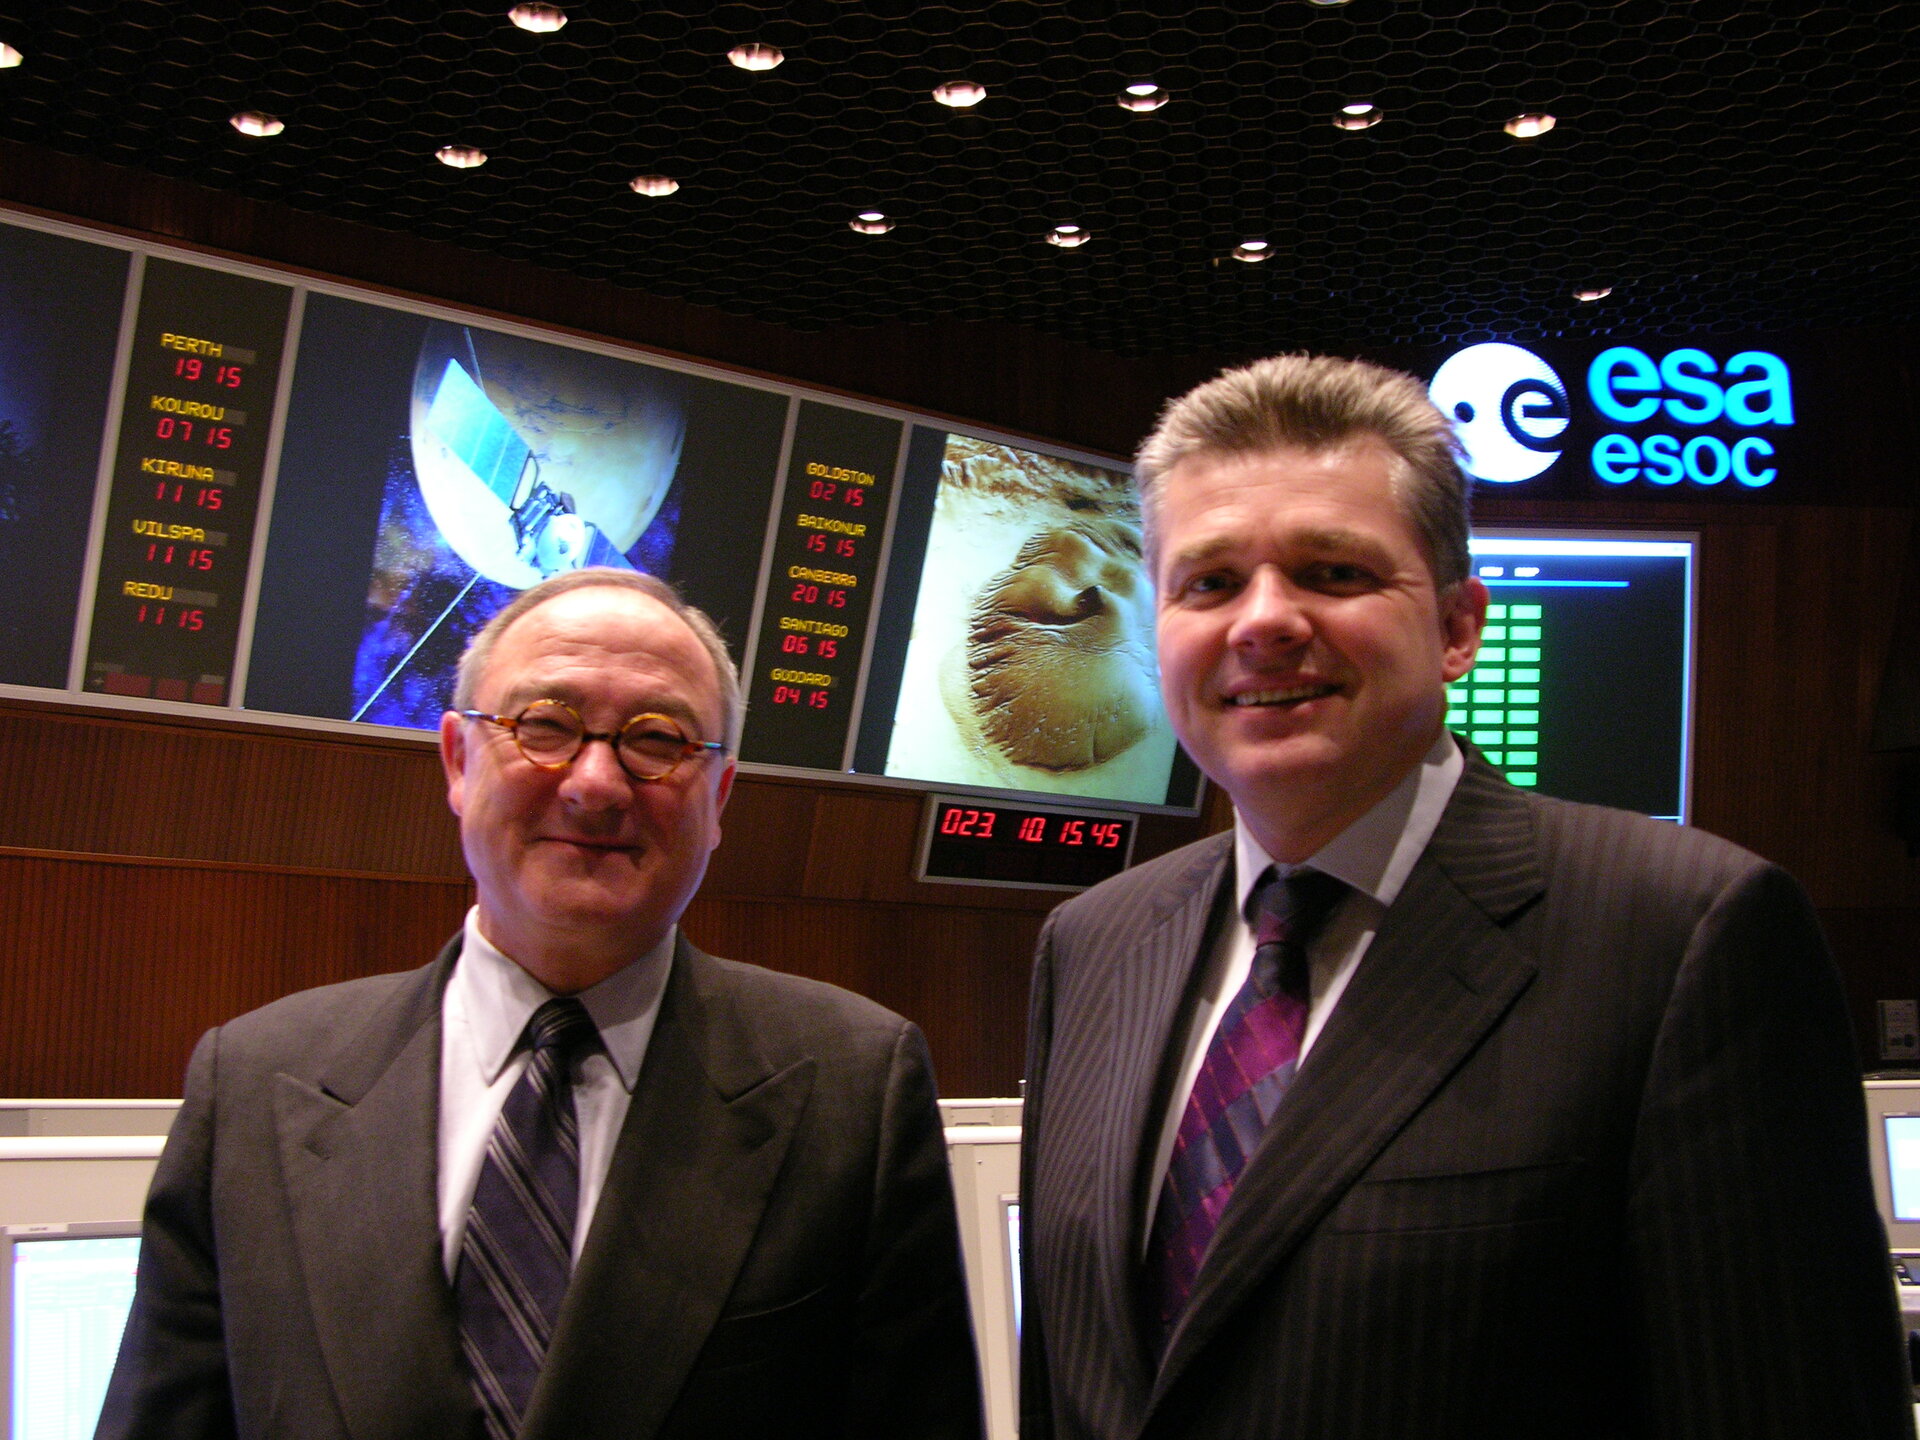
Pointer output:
228, 490
1582, 688
60, 307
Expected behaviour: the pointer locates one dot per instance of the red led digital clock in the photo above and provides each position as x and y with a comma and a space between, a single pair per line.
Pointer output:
977, 842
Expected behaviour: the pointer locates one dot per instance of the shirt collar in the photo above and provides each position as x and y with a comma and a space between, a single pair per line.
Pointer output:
500, 998
1376, 853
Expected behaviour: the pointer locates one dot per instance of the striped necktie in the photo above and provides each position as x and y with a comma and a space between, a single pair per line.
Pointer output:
518, 1252
1248, 1066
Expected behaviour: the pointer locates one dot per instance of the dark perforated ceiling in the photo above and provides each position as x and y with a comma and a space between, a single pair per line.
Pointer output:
1721, 164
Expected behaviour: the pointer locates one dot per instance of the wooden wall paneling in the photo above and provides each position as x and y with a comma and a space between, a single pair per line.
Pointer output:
142, 786
764, 835
1796, 613
961, 975
1878, 950
110, 968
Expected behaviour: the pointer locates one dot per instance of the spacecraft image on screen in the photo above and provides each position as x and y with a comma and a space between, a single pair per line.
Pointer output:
522, 460
1031, 663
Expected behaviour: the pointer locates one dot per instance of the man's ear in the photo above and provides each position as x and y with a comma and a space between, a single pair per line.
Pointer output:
453, 757
1463, 615
722, 791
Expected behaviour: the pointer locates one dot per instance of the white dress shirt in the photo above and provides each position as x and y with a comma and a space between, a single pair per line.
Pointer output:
486, 1008
1374, 856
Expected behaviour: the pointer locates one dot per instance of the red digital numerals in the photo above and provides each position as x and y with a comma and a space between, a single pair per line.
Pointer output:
171, 615
1106, 834
833, 490
800, 645
800, 695
806, 594
188, 368
169, 427
206, 497
843, 547
976, 823
193, 558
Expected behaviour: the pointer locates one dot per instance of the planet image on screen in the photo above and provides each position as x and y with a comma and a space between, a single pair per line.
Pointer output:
1055, 673
1031, 663
535, 458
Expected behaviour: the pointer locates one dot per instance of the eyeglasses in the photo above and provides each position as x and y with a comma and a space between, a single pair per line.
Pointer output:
550, 733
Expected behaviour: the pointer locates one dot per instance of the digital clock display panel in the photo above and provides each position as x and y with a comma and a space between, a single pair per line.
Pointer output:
976, 842
826, 558
197, 409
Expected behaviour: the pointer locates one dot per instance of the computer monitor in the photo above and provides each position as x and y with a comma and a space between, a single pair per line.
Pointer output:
64, 1295
1010, 1204
985, 1162
1893, 1139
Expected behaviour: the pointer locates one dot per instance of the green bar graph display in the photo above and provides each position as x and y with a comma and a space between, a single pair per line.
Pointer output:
1582, 686
1497, 703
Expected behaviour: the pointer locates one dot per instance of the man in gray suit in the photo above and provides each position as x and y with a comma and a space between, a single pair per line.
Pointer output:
575, 1178
1419, 1105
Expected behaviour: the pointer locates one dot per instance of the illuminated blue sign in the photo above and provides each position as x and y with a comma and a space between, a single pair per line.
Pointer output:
1684, 416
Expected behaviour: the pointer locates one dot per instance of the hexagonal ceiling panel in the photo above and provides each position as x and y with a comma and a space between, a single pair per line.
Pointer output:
1716, 164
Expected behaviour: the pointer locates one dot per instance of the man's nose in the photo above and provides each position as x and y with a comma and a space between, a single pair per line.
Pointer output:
1270, 612
595, 779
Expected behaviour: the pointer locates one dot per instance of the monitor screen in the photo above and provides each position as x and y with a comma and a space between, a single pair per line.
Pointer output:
1012, 1207
1903, 1165
1583, 685
1017, 651
68, 1296
1893, 1148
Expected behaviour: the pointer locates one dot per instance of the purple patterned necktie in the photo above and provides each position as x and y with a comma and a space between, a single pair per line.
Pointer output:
1248, 1067
517, 1256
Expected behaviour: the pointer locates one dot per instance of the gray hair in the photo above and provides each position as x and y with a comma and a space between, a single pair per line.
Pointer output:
1316, 402
473, 664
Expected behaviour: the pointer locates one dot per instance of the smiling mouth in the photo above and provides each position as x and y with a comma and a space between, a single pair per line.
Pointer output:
1287, 695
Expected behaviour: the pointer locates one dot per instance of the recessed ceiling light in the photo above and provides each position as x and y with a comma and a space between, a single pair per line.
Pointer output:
1142, 96
653, 185
1067, 236
9, 57
1525, 127
1592, 293
541, 19
755, 56
1360, 115
870, 222
1326, 4
460, 157
1253, 251
254, 122
960, 94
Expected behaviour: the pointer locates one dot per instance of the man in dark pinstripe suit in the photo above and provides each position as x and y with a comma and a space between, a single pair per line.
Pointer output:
1568, 1138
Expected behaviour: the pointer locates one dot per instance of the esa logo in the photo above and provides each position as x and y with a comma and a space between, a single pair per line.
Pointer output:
1508, 408
1682, 417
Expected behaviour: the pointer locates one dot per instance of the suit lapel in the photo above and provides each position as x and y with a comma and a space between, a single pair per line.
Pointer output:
704, 1139
1439, 974
1152, 991
358, 1152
